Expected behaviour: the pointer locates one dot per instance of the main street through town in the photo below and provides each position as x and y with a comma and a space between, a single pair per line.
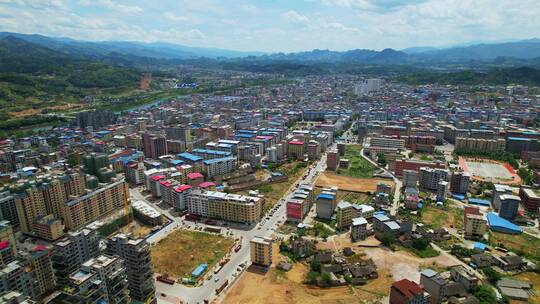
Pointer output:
231, 270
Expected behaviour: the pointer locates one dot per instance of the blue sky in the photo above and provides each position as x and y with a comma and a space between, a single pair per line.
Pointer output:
278, 25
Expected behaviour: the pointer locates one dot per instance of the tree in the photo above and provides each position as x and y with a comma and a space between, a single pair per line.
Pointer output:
492, 275
315, 266
485, 294
420, 244
312, 277
387, 239
381, 158
325, 277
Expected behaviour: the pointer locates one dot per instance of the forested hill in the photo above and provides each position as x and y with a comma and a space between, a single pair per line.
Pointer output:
20, 59
500, 76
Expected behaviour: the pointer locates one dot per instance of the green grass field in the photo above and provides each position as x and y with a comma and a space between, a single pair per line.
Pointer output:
358, 166
180, 252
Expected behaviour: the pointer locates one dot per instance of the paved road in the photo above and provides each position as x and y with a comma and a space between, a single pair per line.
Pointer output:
397, 192
230, 271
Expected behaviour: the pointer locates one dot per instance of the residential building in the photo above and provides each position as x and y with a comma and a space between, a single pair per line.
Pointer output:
89, 207
410, 178
40, 263
17, 276
509, 206
332, 160
136, 256
110, 270
430, 178
408, 292
358, 229
459, 182
325, 205
70, 252
8, 209
261, 251
475, 225
497, 192
480, 144
530, 198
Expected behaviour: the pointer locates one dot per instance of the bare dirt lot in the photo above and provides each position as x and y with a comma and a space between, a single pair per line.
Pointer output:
352, 184
287, 287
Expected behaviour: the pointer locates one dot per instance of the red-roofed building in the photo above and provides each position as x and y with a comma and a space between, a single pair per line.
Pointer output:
155, 186
408, 292
195, 179
296, 149
4, 244
207, 185
166, 189
179, 197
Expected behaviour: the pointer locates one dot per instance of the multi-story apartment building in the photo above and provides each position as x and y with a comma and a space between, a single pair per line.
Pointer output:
17, 276
261, 251
410, 178
344, 215
180, 196
40, 262
498, 191
83, 287
475, 225
387, 142
234, 207
398, 166
358, 229
219, 166
6, 234
459, 182
332, 160
89, 207
296, 149
30, 206
181, 132
430, 178
136, 256
15, 297
8, 209
71, 251
509, 206
530, 198
480, 144
111, 270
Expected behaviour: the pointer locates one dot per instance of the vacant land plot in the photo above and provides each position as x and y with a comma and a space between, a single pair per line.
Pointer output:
180, 252
274, 192
286, 288
358, 165
352, 184
523, 244
443, 217
353, 197
534, 279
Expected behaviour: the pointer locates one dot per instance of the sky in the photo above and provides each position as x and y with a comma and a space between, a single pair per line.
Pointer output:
278, 25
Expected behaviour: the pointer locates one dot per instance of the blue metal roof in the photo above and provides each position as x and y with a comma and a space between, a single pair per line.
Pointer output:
477, 201
520, 139
497, 223
199, 270
480, 246
190, 157
217, 160
326, 196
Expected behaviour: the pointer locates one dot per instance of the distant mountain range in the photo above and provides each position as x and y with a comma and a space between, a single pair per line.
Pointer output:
519, 52
158, 50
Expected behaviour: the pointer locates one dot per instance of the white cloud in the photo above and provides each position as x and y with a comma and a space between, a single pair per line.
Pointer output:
114, 5
294, 16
